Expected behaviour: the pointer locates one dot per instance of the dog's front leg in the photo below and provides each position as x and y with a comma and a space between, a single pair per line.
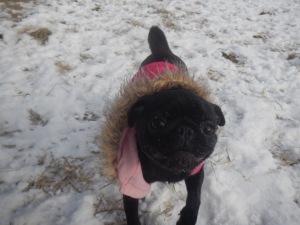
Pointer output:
131, 207
189, 213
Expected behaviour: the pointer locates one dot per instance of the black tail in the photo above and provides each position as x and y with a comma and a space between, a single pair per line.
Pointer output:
160, 49
158, 42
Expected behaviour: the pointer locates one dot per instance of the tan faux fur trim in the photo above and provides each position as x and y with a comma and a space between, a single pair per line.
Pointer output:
116, 119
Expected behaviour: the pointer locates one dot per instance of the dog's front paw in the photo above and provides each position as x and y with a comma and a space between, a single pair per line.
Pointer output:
187, 217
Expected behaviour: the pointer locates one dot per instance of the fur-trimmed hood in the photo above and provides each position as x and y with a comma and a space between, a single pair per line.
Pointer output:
130, 92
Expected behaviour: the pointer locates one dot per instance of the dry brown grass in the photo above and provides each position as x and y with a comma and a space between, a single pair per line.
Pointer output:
41, 160
109, 206
36, 119
14, 8
292, 56
285, 159
264, 12
167, 17
90, 116
9, 134
230, 56
263, 36
62, 67
214, 75
106, 205
62, 175
9, 146
97, 8
166, 210
135, 23
41, 35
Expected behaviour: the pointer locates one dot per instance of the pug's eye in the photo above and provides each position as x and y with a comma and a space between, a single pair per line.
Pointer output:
157, 123
208, 129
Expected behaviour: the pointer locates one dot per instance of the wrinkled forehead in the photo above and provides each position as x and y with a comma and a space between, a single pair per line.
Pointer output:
179, 103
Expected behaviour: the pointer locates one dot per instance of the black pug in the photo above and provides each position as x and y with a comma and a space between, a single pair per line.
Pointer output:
162, 127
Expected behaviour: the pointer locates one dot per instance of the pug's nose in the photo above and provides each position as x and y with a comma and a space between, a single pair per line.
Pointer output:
185, 132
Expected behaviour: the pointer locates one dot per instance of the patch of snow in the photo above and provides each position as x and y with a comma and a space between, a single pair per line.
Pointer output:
54, 95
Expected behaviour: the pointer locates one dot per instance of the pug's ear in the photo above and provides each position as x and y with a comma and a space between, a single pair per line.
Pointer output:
220, 116
136, 111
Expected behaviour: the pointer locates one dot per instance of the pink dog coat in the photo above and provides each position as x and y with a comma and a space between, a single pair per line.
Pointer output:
129, 167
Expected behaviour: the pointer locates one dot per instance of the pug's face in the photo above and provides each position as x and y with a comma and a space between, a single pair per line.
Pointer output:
176, 129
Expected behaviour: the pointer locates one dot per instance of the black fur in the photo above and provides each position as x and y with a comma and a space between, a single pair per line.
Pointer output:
175, 133
160, 49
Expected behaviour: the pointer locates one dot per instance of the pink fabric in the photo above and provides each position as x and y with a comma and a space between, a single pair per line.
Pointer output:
155, 69
129, 167
130, 173
197, 169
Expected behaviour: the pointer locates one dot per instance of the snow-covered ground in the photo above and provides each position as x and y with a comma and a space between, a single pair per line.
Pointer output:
55, 85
